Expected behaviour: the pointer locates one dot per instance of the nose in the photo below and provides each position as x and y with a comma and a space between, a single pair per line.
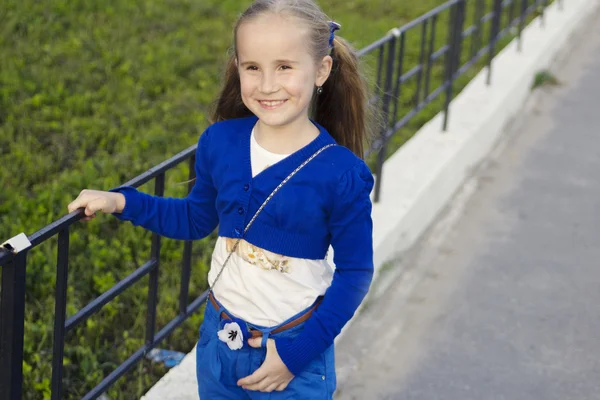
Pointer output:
268, 83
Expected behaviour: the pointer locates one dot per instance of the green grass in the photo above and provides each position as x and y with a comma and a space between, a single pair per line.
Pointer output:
544, 78
91, 95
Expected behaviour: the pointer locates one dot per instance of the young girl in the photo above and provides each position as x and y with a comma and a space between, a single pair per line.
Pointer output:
282, 188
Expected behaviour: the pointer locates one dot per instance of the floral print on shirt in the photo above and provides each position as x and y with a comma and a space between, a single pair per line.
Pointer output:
261, 258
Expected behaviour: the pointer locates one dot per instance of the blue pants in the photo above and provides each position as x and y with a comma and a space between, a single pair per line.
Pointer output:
218, 368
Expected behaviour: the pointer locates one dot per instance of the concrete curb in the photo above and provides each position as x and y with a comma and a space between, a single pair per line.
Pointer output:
422, 176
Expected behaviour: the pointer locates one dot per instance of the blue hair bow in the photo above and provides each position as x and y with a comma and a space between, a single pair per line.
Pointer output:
333, 26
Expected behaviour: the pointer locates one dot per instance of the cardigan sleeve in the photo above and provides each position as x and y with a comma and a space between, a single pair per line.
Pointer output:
351, 230
189, 218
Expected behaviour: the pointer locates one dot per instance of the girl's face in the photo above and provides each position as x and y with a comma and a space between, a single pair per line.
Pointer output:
277, 72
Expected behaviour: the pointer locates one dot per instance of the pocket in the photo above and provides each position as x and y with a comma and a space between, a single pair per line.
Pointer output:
208, 366
307, 385
313, 382
317, 366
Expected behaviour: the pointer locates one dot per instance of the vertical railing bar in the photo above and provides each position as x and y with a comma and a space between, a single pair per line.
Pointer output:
479, 16
542, 12
511, 12
187, 252
448, 64
385, 114
453, 60
494, 30
380, 70
462, 5
12, 330
60, 313
429, 54
501, 17
159, 189
421, 63
522, 18
473, 39
399, 72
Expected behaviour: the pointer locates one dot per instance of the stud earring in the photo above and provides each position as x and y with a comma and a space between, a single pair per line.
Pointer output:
319, 89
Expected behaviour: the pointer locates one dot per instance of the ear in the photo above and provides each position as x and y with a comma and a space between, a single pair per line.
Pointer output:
323, 70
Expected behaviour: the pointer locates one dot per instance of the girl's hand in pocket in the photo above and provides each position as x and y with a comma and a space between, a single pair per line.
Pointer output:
272, 374
96, 200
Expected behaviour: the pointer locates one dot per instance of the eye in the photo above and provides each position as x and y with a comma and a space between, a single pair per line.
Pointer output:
284, 67
252, 68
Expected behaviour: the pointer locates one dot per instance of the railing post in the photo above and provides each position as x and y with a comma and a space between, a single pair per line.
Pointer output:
511, 12
421, 64
430, 53
397, 91
477, 35
495, 29
60, 313
542, 10
159, 190
387, 97
522, 18
12, 327
186, 266
455, 36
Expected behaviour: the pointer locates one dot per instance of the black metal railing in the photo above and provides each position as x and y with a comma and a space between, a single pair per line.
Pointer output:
390, 81
395, 79
12, 300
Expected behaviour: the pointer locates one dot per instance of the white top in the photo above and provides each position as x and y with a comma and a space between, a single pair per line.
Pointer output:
259, 286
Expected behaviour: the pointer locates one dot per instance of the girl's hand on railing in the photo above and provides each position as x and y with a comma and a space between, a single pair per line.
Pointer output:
96, 200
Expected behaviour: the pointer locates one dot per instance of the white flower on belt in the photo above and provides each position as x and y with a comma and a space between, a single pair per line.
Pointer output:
232, 335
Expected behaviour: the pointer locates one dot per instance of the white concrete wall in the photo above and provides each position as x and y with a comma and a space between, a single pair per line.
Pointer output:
421, 177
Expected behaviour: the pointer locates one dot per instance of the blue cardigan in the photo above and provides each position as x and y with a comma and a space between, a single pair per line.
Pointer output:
327, 202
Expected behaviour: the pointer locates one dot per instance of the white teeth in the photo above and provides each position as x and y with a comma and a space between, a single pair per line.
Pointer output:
272, 103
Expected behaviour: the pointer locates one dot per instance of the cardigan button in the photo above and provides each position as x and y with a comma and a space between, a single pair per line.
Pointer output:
246, 187
240, 210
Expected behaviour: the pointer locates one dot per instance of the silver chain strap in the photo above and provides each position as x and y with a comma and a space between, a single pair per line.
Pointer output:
237, 242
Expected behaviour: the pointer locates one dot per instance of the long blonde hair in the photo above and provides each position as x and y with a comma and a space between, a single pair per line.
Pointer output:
342, 108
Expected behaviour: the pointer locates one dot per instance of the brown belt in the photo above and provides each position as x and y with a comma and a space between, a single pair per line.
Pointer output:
256, 333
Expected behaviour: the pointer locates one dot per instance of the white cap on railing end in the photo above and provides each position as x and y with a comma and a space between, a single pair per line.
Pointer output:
396, 32
16, 244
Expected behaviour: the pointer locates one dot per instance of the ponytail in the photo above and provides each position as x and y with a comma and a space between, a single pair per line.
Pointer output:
342, 108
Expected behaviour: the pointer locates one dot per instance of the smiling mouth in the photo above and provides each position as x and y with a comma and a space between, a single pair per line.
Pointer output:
271, 104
